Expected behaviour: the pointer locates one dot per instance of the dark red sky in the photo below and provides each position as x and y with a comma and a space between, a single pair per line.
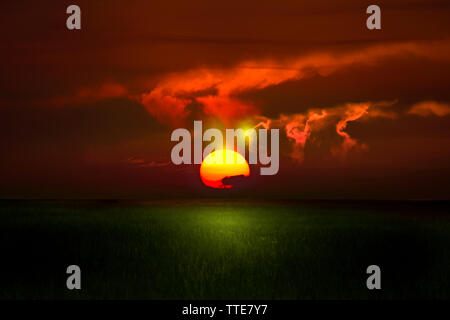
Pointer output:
89, 113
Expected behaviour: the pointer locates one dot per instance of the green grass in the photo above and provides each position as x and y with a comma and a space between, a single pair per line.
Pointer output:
235, 249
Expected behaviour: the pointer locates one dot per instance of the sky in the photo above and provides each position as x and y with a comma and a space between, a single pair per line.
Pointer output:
362, 113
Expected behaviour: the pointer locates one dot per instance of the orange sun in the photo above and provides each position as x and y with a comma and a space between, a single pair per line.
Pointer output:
222, 164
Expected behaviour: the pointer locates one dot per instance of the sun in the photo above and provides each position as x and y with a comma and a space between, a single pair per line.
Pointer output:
222, 164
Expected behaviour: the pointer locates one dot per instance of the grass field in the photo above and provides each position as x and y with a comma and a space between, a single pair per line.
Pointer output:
219, 249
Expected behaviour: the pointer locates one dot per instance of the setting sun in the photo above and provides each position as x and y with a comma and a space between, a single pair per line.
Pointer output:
222, 164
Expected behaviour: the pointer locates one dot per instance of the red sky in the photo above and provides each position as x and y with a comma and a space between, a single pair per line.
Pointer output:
89, 113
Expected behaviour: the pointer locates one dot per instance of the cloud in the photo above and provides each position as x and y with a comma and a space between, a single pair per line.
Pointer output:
299, 128
428, 108
225, 108
353, 113
217, 90
143, 163
166, 108
218, 93
90, 95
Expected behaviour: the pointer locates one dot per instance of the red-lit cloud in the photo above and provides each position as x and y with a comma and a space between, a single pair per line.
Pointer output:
299, 128
353, 113
89, 95
226, 108
427, 108
217, 90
